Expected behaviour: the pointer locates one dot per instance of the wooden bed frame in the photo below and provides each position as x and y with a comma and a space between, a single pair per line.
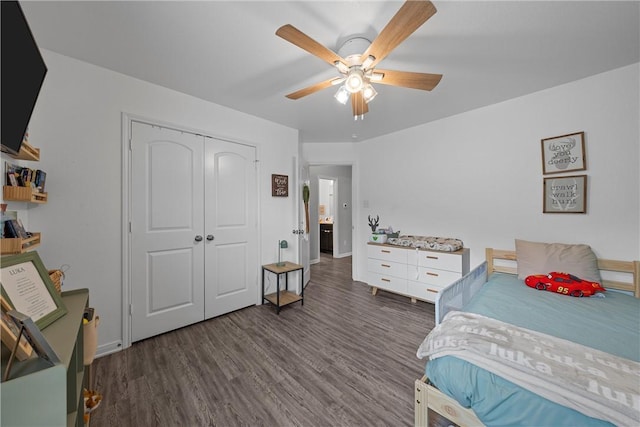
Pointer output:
428, 398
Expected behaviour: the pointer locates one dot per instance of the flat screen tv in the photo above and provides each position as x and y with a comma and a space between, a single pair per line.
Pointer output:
22, 74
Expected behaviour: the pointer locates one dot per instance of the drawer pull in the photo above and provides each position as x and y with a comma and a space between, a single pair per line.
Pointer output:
385, 265
432, 274
385, 251
385, 280
432, 257
432, 290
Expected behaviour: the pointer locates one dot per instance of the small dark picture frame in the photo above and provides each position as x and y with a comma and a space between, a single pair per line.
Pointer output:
279, 185
565, 194
564, 153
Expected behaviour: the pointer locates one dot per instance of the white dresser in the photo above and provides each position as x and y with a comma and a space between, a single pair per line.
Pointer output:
417, 273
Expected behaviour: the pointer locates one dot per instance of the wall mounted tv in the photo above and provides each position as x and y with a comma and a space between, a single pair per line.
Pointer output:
23, 71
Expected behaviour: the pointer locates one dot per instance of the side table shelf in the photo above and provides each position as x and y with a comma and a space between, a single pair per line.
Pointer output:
281, 298
35, 383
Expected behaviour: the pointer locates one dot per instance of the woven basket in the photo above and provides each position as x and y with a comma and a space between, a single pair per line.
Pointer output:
56, 277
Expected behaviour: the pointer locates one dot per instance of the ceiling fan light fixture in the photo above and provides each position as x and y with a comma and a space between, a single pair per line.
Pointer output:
368, 93
341, 67
368, 61
355, 80
376, 77
342, 95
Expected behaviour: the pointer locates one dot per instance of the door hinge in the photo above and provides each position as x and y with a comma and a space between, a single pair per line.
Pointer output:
129, 226
130, 309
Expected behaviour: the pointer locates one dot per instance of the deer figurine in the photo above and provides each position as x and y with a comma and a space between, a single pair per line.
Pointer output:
374, 223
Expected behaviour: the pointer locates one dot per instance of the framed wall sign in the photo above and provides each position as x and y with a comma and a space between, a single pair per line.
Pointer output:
279, 185
565, 194
27, 287
563, 153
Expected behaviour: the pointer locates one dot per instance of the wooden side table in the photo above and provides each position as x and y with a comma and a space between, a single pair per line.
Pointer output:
281, 298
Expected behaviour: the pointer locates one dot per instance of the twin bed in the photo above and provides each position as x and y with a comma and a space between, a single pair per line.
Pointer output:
507, 354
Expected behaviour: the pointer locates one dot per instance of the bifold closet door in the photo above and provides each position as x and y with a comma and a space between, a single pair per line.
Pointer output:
167, 227
231, 220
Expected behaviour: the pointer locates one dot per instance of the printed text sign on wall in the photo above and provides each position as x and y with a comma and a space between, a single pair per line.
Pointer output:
279, 185
563, 153
565, 194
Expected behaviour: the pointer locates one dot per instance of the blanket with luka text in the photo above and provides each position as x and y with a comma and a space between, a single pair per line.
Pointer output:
598, 384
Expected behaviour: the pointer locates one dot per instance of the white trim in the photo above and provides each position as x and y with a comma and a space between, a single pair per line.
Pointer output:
127, 119
126, 218
108, 348
344, 255
355, 208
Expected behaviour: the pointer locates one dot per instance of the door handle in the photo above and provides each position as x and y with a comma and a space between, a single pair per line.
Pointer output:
210, 237
198, 238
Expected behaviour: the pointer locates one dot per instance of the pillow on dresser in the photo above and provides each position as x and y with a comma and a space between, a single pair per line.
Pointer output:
541, 258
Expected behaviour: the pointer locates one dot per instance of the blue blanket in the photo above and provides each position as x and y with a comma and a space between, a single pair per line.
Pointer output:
586, 321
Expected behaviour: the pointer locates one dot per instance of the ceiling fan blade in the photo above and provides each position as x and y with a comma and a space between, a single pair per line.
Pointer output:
358, 105
313, 88
409, 18
303, 41
423, 81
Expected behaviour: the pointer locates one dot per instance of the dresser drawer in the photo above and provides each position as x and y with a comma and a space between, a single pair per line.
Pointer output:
388, 268
423, 291
432, 276
390, 283
439, 260
387, 253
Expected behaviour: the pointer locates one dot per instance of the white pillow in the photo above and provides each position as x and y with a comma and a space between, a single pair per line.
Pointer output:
543, 258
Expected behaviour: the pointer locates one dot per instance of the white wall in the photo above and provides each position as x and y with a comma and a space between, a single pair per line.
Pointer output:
478, 176
77, 126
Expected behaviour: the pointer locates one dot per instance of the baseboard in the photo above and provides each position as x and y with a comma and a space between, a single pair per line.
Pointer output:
106, 349
314, 261
344, 255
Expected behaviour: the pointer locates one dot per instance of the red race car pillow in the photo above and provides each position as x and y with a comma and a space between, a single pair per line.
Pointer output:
563, 283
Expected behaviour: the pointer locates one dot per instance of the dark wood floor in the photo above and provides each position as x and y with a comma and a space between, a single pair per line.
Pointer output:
345, 358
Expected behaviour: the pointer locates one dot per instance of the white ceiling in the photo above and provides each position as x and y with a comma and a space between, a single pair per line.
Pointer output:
227, 52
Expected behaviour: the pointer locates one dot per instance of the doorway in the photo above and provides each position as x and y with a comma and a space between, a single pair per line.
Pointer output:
330, 206
326, 209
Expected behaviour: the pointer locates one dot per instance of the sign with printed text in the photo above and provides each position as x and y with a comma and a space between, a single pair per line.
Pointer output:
279, 185
563, 153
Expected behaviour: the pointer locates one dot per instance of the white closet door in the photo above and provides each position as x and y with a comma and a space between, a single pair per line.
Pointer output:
231, 258
167, 260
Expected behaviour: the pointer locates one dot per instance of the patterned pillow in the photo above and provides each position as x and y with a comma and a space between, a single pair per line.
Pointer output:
445, 244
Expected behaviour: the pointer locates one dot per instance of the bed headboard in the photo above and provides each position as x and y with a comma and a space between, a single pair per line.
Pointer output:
629, 267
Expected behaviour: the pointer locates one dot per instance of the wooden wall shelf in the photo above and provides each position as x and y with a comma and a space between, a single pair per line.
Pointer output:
18, 245
23, 194
27, 152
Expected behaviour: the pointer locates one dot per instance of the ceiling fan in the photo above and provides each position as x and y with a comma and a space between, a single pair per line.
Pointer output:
357, 71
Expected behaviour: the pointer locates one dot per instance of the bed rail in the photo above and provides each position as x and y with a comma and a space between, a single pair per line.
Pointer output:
459, 293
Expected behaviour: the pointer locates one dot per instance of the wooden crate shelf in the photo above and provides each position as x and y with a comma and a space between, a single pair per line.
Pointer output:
23, 194
27, 152
18, 245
